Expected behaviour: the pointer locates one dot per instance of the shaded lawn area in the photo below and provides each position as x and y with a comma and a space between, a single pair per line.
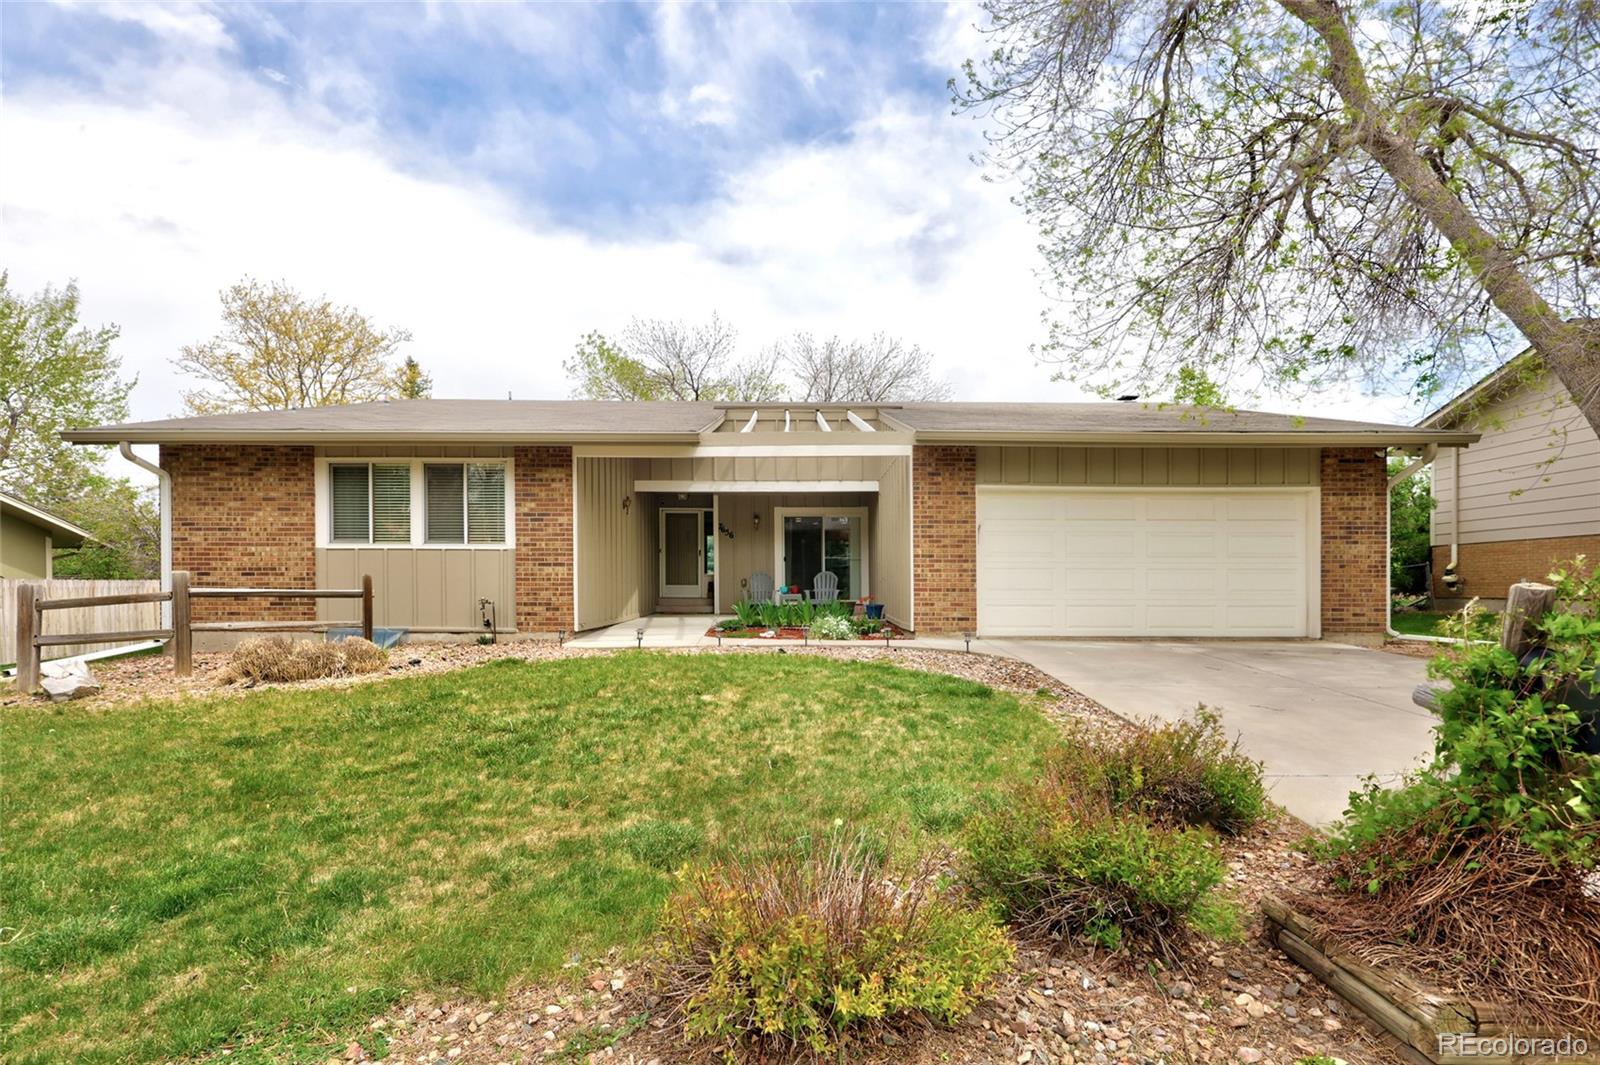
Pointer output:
269, 871
1426, 623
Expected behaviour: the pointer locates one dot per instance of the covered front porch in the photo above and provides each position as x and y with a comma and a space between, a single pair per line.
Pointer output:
693, 533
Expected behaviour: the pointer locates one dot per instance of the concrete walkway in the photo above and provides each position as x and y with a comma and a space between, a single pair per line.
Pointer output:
660, 630
1321, 716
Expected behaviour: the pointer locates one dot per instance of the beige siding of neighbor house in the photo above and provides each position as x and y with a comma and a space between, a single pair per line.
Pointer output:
1149, 466
24, 551
1534, 475
615, 543
419, 588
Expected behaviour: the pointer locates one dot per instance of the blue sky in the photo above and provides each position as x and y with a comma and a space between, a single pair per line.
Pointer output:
501, 179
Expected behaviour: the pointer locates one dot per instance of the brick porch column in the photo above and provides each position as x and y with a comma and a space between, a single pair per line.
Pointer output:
1355, 577
544, 538
944, 537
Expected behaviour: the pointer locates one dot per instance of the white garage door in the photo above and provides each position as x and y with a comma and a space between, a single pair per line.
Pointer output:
1144, 562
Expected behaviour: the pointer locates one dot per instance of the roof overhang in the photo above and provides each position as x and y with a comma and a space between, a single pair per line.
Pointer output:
69, 534
1400, 437
324, 436
1484, 389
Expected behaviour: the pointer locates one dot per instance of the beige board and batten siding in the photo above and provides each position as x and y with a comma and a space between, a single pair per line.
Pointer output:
702, 469
891, 541
1535, 474
420, 588
1177, 467
753, 549
615, 543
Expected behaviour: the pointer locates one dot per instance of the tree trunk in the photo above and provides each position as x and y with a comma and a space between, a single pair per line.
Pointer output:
1571, 349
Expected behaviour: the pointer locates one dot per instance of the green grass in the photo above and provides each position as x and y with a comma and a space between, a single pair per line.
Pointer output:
266, 872
1424, 623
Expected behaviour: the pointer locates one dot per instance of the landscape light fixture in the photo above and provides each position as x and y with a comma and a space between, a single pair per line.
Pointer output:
967, 636
638, 636
561, 637
805, 635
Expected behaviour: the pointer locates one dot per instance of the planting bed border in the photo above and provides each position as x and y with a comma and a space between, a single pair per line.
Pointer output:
1413, 1013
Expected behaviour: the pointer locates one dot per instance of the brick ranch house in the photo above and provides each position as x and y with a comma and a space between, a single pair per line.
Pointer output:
1008, 519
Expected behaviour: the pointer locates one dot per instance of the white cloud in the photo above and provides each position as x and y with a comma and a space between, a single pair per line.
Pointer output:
189, 24
154, 209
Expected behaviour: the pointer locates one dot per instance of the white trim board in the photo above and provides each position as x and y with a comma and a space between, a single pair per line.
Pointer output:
755, 486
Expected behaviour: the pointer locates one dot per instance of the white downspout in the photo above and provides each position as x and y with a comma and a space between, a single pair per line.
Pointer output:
1428, 455
164, 479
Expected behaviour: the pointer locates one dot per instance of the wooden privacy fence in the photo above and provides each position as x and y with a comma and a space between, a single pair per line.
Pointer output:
84, 619
31, 609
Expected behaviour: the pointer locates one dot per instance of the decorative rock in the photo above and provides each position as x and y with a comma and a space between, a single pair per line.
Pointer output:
1249, 1055
69, 678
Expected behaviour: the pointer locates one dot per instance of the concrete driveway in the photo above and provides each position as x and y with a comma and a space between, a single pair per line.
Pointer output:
1320, 716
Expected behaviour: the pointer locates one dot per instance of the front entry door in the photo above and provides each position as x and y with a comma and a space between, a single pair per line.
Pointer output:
683, 553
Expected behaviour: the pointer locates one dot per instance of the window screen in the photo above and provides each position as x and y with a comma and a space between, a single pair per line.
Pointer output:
486, 504
446, 512
348, 489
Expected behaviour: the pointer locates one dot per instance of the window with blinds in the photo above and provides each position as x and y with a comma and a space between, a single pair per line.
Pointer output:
350, 504
369, 503
486, 504
466, 503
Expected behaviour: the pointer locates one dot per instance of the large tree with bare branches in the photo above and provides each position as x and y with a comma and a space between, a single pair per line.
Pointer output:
1271, 193
876, 370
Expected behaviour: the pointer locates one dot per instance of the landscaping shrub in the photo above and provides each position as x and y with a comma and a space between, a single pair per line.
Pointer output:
868, 626
1474, 869
755, 615
279, 659
1180, 773
1061, 861
808, 950
832, 627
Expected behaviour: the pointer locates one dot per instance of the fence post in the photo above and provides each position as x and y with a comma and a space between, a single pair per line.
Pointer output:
1526, 604
366, 606
27, 653
182, 632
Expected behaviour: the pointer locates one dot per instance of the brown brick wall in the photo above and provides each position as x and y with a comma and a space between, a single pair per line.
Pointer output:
1355, 578
1492, 568
544, 538
244, 516
944, 537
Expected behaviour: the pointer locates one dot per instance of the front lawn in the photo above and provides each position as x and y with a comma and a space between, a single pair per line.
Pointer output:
267, 872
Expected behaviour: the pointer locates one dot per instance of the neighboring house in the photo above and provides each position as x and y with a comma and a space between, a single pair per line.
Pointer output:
1526, 496
29, 537
1009, 519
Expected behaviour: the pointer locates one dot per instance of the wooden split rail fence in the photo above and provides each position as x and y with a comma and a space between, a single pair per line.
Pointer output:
179, 634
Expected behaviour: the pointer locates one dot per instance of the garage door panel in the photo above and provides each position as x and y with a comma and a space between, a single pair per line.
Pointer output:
1101, 508
1181, 508
1012, 542
1143, 563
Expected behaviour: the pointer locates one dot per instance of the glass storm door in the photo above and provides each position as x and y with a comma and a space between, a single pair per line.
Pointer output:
683, 546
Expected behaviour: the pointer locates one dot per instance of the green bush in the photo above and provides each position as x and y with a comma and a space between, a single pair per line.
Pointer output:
1058, 861
1183, 773
868, 626
757, 615
1506, 754
805, 950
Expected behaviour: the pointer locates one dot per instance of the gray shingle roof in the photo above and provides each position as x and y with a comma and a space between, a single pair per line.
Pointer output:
560, 421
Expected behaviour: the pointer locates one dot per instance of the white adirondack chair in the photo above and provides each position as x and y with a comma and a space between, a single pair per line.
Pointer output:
825, 588
761, 587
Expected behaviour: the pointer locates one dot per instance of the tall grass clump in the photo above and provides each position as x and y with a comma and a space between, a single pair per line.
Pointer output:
801, 950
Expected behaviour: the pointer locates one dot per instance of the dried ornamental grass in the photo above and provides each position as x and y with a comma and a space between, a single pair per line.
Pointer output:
808, 951
279, 659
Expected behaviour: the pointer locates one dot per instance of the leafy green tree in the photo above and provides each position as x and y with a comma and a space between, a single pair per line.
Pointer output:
279, 350
1285, 193
126, 522
410, 382
55, 374
1410, 518
660, 359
